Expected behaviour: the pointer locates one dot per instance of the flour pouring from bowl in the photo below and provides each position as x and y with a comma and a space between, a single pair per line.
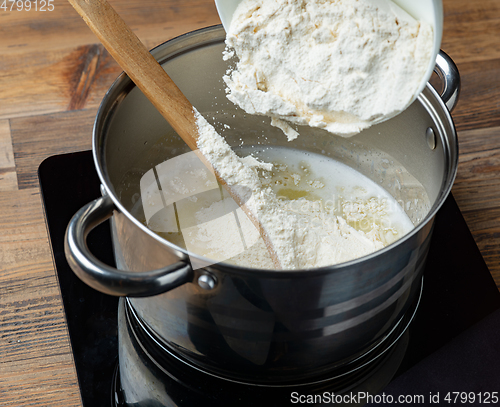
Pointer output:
342, 66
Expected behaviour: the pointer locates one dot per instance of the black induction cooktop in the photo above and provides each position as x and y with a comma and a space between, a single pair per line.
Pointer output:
454, 343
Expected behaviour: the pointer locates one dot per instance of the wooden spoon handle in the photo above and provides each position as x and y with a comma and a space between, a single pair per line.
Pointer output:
140, 66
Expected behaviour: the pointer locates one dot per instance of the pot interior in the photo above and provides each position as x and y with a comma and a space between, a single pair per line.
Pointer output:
413, 156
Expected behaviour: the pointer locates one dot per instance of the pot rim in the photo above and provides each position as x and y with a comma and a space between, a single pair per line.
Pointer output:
190, 41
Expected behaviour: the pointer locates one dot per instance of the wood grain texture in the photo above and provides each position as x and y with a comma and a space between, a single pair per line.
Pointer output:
53, 75
51, 62
154, 21
8, 175
466, 27
478, 183
36, 366
478, 104
470, 37
55, 81
477, 191
36, 137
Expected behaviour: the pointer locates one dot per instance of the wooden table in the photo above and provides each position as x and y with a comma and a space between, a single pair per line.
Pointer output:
53, 74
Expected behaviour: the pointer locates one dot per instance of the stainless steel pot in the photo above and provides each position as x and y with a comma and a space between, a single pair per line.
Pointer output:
262, 325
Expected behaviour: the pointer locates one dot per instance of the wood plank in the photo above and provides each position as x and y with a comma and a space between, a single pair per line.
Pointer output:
32, 327
25, 258
44, 381
477, 191
23, 229
478, 105
465, 23
38, 137
462, 40
57, 63
60, 80
459, 11
34, 341
8, 176
470, 37
477, 186
476, 140
153, 22
56, 80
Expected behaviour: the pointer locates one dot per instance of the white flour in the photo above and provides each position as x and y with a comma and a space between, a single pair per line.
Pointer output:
302, 235
262, 202
324, 240
339, 65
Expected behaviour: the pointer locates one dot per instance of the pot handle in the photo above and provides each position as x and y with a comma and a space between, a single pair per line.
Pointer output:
447, 71
107, 279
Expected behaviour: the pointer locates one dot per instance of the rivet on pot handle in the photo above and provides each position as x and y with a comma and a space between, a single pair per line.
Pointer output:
448, 72
110, 280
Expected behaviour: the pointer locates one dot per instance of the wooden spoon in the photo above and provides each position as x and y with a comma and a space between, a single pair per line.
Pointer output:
154, 82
